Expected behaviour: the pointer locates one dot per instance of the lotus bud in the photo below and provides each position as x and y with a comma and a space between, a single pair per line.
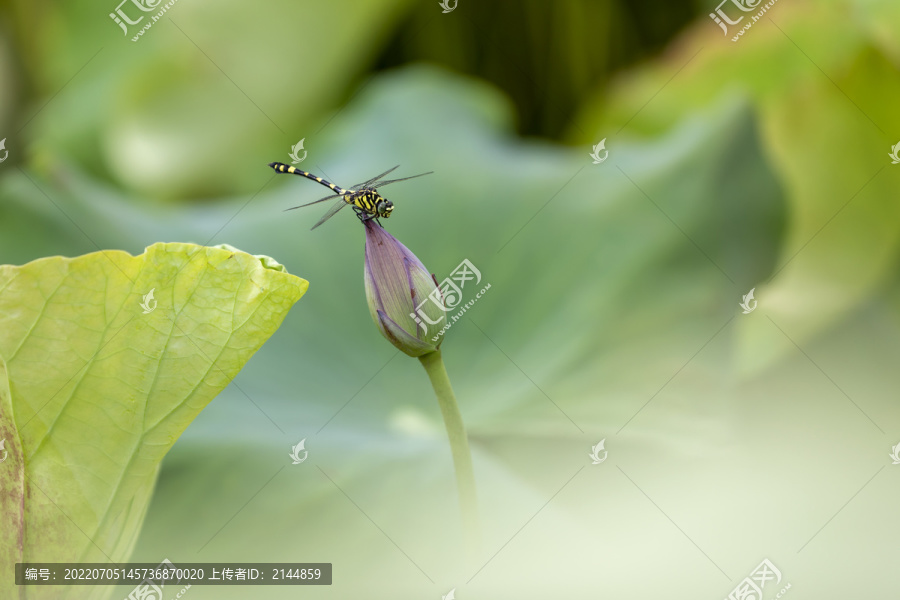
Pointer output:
404, 299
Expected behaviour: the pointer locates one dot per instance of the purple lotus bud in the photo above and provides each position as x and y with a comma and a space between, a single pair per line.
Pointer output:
404, 300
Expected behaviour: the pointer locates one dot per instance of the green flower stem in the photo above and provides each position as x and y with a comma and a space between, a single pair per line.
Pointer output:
459, 445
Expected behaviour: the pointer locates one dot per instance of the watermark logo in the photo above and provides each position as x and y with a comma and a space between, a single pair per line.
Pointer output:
149, 590
745, 303
124, 20
595, 452
722, 19
737, 8
451, 595
445, 4
295, 452
3, 450
895, 453
149, 302
448, 296
596, 153
751, 588
6, 152
295, 149
895, 153
146, 590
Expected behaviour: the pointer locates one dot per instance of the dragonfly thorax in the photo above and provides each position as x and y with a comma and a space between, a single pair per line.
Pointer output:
371, 202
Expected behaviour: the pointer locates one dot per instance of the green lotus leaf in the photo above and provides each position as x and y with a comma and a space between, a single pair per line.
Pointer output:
104, 361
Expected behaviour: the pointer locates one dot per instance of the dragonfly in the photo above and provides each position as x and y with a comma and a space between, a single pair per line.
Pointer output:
363, 197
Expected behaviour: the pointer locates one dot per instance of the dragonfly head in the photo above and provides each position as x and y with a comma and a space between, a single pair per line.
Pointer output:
384, 207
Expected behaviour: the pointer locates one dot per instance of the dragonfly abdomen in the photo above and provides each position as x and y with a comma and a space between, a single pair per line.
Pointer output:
283, 168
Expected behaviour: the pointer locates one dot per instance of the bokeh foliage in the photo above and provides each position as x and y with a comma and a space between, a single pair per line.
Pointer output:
757, 164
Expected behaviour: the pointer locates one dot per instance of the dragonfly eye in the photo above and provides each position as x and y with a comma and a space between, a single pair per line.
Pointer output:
385, 207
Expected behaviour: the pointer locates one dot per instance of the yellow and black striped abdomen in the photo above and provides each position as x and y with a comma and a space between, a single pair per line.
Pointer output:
283, 168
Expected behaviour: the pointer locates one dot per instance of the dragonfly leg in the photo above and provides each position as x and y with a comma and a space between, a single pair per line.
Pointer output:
361, 214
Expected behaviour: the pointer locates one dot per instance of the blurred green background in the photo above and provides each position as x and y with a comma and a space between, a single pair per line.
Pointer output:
613, 311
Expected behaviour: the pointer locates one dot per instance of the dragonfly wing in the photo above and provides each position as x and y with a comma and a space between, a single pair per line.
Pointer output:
315, 202
381, 184
331, 212
376, 178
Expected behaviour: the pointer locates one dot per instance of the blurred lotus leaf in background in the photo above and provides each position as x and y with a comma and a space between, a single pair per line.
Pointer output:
823, 83
159, 116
